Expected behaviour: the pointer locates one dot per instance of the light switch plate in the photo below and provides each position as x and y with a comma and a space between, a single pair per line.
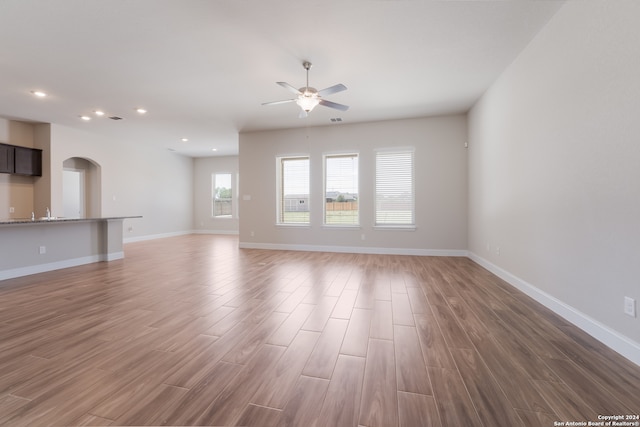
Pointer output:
630, 306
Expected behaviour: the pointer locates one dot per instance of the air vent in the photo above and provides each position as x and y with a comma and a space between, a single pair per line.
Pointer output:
337, 119
115, 118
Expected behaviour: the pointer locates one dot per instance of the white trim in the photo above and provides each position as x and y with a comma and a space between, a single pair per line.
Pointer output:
112, 256
299, 225
280, 185
58, 265
229, 232
156, 236
355, 249
609, 337
177, 233
325, 156
390, 227
395, 150
341, 227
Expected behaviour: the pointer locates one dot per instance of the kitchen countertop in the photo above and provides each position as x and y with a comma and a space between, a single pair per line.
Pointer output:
10, 221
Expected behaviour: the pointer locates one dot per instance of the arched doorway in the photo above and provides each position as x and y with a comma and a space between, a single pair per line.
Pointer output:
81, 189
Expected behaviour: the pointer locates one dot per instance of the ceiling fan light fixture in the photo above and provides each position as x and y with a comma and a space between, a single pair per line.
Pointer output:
307, 103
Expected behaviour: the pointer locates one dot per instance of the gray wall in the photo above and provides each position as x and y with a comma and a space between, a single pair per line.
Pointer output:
554, 169
441, 186
135, 180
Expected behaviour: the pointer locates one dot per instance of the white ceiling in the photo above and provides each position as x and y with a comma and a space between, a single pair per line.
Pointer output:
202, 68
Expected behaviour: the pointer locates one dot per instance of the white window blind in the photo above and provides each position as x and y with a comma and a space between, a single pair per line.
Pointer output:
394, 188
293, 190
341, 190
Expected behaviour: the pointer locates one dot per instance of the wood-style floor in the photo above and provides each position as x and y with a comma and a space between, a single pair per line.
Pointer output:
194, 331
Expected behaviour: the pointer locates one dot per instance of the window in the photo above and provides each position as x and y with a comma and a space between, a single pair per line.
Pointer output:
222, 196
394, 188
293, 190
341, 190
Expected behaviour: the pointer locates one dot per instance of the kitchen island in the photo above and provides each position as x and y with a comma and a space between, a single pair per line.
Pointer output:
30, 246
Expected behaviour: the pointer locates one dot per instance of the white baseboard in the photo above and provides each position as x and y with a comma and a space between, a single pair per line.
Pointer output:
175, 234
355, 249
226, 232
58, 265
112, 256
155, 236
609, 337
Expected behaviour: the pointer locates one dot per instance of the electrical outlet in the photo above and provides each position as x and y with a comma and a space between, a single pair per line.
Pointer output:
630, 306
42, 250
12, 210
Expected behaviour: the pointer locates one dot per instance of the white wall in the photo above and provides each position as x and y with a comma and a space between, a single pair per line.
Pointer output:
204, 168
554, 169
135, 180
441, 188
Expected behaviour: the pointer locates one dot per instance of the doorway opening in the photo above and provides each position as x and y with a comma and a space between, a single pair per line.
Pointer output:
81, 189
73, 193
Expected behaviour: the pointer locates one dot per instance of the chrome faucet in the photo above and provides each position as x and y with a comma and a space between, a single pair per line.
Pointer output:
48, 214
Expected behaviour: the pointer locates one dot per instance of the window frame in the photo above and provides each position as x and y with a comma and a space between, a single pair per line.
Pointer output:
325, 157
280, 196
409, 226
234, 204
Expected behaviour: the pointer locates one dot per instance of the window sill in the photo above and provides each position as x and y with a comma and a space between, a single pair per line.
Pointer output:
395, 227
293, 225
341, 227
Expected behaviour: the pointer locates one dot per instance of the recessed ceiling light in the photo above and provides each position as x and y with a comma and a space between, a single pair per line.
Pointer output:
185, 139
214, 149
85, 118
141, 110
39, 93
99, 113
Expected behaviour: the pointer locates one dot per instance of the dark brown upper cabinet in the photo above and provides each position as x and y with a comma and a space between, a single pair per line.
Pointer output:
6, 158
20, 160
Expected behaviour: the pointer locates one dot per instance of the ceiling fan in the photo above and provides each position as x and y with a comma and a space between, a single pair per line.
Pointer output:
308, 97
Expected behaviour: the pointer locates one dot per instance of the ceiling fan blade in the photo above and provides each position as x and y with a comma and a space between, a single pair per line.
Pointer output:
289, 87
333, 89
278, 102
334, 105
303, 114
